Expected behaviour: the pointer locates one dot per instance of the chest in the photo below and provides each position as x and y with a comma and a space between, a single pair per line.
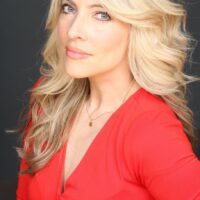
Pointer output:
81, 139
95, 168
91, 165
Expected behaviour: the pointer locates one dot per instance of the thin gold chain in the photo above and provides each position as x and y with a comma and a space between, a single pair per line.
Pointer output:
92, 119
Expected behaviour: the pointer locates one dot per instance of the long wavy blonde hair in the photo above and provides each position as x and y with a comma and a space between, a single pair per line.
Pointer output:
159, 46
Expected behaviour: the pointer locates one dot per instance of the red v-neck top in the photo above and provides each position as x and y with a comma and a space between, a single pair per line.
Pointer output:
140, 153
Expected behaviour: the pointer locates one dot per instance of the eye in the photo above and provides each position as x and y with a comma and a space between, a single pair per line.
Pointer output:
104, 16
66, 8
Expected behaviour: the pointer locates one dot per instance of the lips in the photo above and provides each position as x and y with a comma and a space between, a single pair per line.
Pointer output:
76, 50
76, 53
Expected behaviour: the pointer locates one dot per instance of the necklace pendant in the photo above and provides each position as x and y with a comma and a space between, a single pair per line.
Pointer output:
90, 123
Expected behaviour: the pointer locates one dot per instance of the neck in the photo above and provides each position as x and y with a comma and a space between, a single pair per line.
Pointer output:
108, 94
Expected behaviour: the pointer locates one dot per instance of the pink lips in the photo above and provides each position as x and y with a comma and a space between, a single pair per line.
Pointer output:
76, 53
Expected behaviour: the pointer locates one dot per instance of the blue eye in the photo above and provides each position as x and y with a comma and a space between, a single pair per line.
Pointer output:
104, 16
66, 8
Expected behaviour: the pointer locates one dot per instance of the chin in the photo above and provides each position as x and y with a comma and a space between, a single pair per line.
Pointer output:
77, 74
80, 71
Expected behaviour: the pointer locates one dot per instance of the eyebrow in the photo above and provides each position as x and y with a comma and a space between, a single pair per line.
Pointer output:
89, 6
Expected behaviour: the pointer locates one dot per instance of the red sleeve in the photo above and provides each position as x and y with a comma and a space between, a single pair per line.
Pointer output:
22, 186
161, 157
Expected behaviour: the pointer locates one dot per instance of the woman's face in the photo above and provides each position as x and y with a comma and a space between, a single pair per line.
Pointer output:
84, 25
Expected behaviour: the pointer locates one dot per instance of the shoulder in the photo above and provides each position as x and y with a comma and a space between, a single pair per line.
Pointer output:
155, 135
155, 141
29, 122
145, 102
34, 87
153, 119
156, 149
150, 109
38, 82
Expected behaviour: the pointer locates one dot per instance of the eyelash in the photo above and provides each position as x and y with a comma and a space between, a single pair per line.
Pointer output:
100, 12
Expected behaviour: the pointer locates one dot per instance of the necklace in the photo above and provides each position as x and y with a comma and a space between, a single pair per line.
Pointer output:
90, 115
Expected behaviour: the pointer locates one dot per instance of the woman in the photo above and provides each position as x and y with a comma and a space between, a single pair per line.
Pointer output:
108, 119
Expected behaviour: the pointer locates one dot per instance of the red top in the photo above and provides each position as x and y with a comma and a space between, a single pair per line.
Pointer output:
140, 153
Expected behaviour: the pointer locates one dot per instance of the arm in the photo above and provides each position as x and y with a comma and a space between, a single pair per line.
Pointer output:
162, 158
23, 181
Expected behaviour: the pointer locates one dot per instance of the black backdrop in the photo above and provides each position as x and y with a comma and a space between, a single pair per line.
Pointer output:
21, 39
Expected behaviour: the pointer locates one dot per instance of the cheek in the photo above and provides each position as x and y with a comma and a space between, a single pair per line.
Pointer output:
111, 47
111, 44
62, 28
110, 39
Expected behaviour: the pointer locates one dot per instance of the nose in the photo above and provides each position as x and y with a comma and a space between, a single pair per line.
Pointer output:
77, 28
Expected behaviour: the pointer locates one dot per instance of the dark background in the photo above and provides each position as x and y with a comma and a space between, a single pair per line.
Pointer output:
21, 39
